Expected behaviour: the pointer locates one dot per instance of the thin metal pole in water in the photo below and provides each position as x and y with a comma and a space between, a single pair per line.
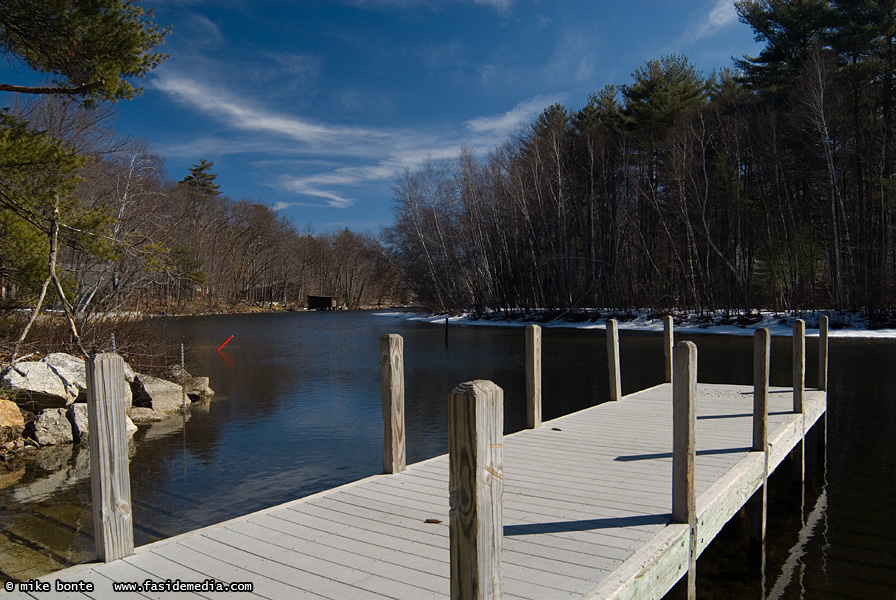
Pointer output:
446, 332
183, 405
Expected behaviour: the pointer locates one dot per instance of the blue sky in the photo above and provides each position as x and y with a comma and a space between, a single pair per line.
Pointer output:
312, 107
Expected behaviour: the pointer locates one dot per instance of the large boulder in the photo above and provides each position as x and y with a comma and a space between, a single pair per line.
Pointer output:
36, 386
77, 416
71, 370
12, 423
52, 427
73, 373
158, 394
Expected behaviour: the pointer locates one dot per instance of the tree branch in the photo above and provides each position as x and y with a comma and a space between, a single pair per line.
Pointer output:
69, 91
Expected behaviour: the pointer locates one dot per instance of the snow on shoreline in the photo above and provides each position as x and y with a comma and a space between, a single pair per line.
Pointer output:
841, 324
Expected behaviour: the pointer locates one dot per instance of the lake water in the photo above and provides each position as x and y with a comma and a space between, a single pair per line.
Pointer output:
299, 411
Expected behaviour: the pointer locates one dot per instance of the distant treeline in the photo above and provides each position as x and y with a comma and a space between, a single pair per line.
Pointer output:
124, 237
766, 185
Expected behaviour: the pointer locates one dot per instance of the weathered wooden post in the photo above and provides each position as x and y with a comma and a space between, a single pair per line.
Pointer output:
799, 393
757, 505
668, 345
110, 481
761, 362
533, 376
476, 489
823, 353
799, 365
823, 377
392, 391
684, 449
613, 359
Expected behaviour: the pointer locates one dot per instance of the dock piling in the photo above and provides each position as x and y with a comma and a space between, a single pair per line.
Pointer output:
533, 376
476, 489
392, 391
799, 396
110, 480
799, 365
757, 505
668, 345
823, 353
684, 449
613, 359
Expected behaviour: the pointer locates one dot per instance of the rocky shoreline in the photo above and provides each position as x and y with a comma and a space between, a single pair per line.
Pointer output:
44, 403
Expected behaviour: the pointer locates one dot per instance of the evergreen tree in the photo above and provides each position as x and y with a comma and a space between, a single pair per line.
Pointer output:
202, 179
88, 48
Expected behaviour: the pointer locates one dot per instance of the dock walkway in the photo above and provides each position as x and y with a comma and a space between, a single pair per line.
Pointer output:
587, 511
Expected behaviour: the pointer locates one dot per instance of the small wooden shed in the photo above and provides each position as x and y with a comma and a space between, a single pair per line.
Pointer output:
323, 302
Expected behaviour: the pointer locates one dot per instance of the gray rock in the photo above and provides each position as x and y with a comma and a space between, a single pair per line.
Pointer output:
197, 389
141, 415
53, 427
77, 416
36, 386
158, 394
71, 370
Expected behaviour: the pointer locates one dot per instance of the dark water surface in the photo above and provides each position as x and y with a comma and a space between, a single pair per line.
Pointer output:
299, 411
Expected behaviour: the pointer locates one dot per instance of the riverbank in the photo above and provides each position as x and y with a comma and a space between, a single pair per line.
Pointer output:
842, 324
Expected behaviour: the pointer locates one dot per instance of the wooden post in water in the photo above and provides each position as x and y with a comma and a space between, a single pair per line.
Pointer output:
110, 481
799, 365
799, 393
823, 378
533, 376
613, 359
668, 345
684, 449
761, 362
823, 353
392, 391
476, 489
757, 505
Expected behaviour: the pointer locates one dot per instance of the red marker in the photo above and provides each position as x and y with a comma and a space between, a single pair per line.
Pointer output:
225, 343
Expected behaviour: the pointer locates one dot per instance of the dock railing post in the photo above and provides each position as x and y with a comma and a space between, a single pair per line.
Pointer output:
613, 359
799, 393
110, 480
757, 505
668, 345
823, 377
533, 376
823, 353
392, 391
476, 489
684, 449
799, 365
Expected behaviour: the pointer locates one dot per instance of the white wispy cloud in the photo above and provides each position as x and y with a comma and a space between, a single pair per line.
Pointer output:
240, 113
721, 14
523, 113
336, 160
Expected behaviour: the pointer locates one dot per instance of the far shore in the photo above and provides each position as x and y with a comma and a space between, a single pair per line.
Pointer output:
842, 324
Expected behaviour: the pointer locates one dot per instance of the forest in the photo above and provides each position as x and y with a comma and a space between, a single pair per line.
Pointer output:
768, 184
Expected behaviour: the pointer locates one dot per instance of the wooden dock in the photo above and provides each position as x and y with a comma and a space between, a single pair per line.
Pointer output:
587, 513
